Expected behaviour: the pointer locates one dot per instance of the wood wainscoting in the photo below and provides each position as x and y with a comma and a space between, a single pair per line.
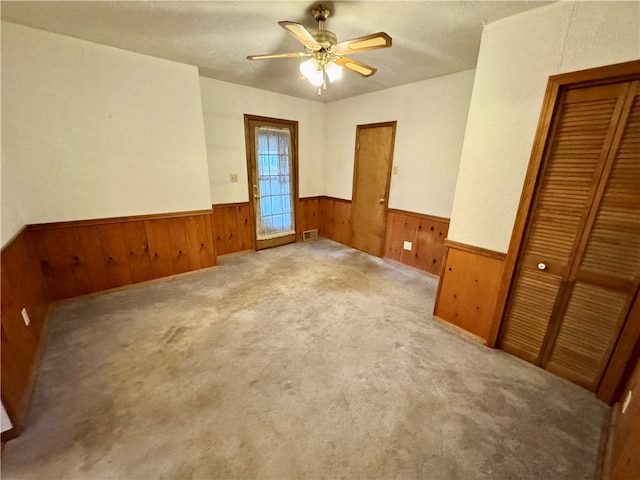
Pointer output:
232, 228
426, 234
622, 461
233, 225
307, 216
88, 256
469, 288
335, 219
23, 286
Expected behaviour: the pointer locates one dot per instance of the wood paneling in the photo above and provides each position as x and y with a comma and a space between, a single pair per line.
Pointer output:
623, 460
135, 238
23, 286
335, 219
468, 288
89, 256
425, 232
307, 215
233, 228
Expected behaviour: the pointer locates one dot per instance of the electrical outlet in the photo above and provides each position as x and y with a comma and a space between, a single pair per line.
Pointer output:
408, 245
25, 317
233, 177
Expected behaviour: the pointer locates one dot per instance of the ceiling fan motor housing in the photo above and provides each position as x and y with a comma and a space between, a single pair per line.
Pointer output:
320, 13
324, 37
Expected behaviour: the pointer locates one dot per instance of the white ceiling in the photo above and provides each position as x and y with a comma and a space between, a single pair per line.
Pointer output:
430, 38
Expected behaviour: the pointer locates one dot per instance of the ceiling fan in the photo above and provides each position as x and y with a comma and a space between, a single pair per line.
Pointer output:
327, 55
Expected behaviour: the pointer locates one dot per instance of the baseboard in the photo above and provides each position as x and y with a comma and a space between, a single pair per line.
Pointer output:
9, 435
461, 331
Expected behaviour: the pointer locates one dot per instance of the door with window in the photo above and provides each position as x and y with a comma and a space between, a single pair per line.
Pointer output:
272, 164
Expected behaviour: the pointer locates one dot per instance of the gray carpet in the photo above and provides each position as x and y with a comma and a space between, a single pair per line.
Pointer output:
311, 360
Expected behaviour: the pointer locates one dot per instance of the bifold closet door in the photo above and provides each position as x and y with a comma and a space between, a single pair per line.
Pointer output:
570, 297
606, 273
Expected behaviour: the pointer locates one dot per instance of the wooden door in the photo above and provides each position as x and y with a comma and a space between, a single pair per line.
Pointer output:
579, 268
272, 165
371, 177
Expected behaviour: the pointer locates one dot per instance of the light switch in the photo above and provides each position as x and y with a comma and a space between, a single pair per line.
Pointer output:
408, 245
233, 177
395, 170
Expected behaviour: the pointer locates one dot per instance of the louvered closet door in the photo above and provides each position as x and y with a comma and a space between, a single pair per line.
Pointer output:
606, 272
575, 158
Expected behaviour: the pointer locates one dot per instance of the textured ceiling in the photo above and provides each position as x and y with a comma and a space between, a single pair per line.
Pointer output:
430, 38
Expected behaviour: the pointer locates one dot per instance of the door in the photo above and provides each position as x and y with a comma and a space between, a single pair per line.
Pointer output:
272, 164
371, 177
578, 270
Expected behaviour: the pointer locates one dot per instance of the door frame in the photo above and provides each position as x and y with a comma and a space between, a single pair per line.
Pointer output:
556, 85
277, 122
393, 124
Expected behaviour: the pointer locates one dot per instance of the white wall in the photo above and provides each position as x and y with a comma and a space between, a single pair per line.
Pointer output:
517, 55
224, 105
90, 131
431, 117
5, 421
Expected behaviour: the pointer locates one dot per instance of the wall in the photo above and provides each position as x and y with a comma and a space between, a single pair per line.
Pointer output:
224, 105
5, 422
431, 117
91, 131
517, 55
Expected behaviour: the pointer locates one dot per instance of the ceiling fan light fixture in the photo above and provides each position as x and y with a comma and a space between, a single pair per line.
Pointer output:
333, 70
327, 55
312, 73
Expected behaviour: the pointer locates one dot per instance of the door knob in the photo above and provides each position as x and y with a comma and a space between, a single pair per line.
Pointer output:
542, 266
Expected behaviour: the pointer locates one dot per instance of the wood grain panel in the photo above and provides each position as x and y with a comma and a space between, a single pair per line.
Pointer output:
62, 260
93, 256
233, 228
89, 238
199, 234
114, 251
179, 247
468, 290
159, 247
425, 232
135, 239
244, 224
307, 215
335, 221
623, 457
22, 286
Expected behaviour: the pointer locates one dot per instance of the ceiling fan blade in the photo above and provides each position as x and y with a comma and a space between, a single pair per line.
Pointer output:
301, 34
355, 66
277, 55
362, 44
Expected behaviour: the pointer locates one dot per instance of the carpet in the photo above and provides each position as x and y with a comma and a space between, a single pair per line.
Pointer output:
311, 360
